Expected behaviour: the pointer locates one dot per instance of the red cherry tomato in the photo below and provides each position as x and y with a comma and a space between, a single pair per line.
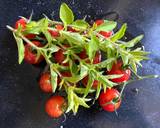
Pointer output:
30, 55
59, 56
117, 70
97, 59
21, 22
110, 100
59, 27
54, 33
106, 34
99, 22
45, 82
55, 106
85, 81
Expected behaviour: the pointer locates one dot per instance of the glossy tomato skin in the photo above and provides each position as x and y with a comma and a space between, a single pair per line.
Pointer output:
55, 106
54, 33
118, 70
107, 97
106, 34
30, 56
59, 56
97, 59
99, 22
85, 81
21, 22
59, 27
45, 82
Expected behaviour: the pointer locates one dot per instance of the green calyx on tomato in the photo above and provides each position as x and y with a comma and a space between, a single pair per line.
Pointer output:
81, 59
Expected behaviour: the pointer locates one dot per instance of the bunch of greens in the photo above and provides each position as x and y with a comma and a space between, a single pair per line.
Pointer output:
86, 37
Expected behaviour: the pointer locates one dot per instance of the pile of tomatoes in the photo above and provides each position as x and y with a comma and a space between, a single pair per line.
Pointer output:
55, 106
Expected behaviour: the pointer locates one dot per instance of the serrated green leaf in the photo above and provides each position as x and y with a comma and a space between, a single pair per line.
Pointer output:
53, 79
93, 46
107, 26
74, 38
66, 14
21, 48
134, 41
118, 35
80, 24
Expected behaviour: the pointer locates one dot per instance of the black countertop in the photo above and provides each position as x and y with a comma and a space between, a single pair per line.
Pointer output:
21, 101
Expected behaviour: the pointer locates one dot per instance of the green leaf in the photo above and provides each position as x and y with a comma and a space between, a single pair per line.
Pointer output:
133, 66
105, 63
21, 49
107, 26
125, 58
93, 46
89, 84
139, 53
113, 76
77, 78
71, 101
118, 35
98, 90
74, 38
134, 41
48, 36
66, 14
106, 83
82, 90
53, 79
80, 24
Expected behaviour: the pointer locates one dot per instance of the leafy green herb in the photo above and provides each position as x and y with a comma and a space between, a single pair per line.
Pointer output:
66, 14
20, 46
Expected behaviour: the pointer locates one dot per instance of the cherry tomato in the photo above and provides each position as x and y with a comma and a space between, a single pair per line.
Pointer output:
99, 22
45, 82
55, 106
118, 70
59, 27
106, 34
97, 59
85, 81
54, 33
23, 23
110, 100
59, 56
31, 55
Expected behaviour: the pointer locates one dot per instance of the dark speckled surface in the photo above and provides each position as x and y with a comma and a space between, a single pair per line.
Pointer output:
21, 101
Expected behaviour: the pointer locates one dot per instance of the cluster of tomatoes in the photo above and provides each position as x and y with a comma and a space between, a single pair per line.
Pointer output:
55, 106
